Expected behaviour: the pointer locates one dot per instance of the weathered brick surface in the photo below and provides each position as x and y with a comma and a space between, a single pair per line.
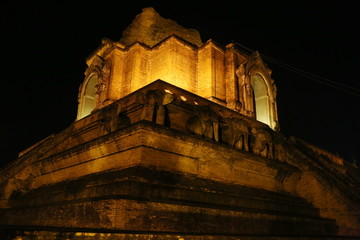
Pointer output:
188, 160
150, 178
148, 200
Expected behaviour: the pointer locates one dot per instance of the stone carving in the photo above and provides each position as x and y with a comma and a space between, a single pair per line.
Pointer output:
104, 77
235, 132
112, 120
256, 67
108, 119
246, 93
96, 66
205, 122
154, 106
280, 152
263, 143
101, 69
122, 120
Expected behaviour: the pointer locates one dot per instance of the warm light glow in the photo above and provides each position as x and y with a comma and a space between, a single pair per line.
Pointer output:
261, 100
210, 72
87, 234
88, 99
173, 62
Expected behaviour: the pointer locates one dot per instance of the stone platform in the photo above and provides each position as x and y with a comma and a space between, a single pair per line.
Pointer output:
177, 168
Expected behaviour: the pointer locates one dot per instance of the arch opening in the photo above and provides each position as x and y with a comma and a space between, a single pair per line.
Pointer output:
261, 100
88, 99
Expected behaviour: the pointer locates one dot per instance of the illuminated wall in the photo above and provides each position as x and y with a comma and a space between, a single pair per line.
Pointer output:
224, 75
211, 72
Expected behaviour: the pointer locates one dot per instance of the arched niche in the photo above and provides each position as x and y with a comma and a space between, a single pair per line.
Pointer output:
263, 100
87, 100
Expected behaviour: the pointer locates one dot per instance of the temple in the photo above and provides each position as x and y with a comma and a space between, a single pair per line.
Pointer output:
176, 138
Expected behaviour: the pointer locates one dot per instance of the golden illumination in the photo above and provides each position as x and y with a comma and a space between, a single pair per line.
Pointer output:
261, 100
88, 99
210, 71
183, 98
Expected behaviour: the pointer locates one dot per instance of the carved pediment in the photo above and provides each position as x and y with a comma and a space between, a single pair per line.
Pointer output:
256, 64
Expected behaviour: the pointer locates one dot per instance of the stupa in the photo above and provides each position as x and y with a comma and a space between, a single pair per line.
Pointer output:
176, 138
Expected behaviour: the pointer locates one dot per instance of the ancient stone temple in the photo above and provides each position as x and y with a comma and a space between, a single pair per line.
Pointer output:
176, 138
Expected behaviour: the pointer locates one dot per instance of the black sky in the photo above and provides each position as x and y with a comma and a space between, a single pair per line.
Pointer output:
45, 44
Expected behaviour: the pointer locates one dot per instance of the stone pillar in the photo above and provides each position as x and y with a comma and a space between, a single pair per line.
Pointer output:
232, 92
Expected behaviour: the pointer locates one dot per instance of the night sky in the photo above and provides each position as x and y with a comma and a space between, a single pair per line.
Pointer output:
312, 48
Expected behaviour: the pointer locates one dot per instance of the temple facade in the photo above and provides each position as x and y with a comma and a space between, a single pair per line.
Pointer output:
225, 75
176, 138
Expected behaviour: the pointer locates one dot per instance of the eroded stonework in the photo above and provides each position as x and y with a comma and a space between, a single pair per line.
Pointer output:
150, 28
154, 160
228, 75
